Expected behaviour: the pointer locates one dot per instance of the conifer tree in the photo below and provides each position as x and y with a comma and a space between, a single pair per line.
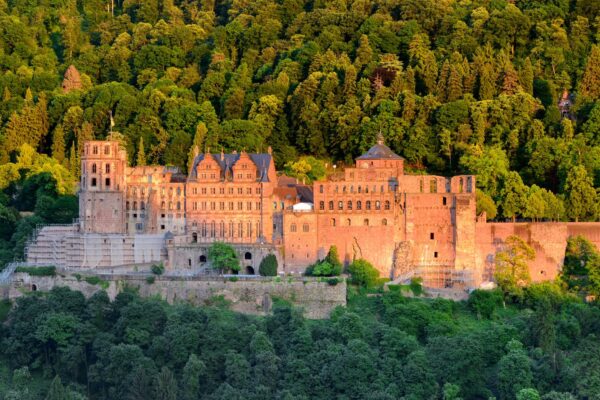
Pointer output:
74, 161
590, 82
141, 154
454, 88
58, 144
57, 390
510, 79
526, 77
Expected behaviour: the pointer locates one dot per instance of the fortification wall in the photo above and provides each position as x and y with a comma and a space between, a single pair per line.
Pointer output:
548, 239
317, 299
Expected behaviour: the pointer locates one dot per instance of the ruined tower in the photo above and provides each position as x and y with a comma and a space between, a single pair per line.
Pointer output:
102, 193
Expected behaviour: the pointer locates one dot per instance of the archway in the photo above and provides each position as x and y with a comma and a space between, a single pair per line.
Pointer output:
33, 288
249, 270
202, 259
248, 256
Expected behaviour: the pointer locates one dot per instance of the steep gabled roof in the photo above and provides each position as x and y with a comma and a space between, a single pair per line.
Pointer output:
227, 161
380, 152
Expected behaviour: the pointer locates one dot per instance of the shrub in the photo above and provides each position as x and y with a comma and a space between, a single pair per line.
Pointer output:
333, 281
158, 269
38, 271
363, 273
484, 302
416, 286
223, 257
150, 279
233, 279
268, 266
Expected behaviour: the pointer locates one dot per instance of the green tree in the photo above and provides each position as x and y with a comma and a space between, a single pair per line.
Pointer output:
165, 385
511, 266
590, 82
513, 195
363, 273
193, 371
581, 267
141, 153
57, 390
485, 204
58, 144
223, 257
514, 371
581, 196
268, 266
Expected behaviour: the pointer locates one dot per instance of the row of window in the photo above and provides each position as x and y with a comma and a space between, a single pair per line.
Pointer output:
230, 190
95, 169
366, 222
95, 150
359, 189
213, 176
94, 182
204, 205
350, 205
225, 230
132, 190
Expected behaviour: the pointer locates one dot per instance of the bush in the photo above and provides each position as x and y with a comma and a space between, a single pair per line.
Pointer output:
38, 271
150, 279
233, 279
268, 266
96, 280
363, 273
158, 269
223, 257
484, 302
333, 281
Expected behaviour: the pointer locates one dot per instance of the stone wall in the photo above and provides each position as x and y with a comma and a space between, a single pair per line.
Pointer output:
548, 239
255, 296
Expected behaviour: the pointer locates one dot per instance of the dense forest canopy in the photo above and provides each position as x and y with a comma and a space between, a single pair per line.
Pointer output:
507, 90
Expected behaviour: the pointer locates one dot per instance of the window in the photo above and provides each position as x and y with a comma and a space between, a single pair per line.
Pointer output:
348, 222
142, 205
107, 168
321, 205
178, 191
221, 190
305, 228
340, 205
377, 205
293, 228
95, 150
360, 189
332, 221
433, 186
384, 222
162, 205
432, 236
349, 207
331, 205
435, 254
94, 168
444, 200
368, 205
93, 182
248, 190
178, 206
366, 222
106, 150
387, 205
421, 186
127, 205
359, 205
320, 188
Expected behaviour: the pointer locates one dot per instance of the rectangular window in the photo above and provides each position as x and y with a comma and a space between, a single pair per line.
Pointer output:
93, 182
435, 254
431, 236
444, 200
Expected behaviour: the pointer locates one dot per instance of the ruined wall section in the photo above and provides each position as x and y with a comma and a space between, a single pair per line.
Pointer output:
317, 299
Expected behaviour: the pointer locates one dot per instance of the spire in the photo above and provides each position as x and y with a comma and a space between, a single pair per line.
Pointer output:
380, 139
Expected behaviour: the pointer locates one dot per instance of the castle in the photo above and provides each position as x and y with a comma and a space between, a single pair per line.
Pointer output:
405, 225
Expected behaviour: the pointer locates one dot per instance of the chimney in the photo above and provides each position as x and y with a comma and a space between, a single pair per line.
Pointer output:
222, 155
269, 150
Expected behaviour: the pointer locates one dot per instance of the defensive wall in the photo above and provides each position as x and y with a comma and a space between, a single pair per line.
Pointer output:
250, 296
548, 239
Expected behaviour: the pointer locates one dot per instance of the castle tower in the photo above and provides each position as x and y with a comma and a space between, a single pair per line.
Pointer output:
102, 193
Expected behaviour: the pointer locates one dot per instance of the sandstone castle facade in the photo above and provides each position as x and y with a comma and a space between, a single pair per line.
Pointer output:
406, 225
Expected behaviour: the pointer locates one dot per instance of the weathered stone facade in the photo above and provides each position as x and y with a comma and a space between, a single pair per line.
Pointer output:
406, 225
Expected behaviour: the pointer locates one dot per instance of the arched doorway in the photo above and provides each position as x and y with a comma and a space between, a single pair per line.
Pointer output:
202, 259
33, 288
248, 256
249, 270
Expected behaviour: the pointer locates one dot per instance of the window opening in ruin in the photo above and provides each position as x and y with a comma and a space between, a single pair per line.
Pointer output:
340, 205
331, 205
433, 186
435, 254
431, 236
202, 259
349, 222
384, 222
421, 186
293, 228
368, 205
249, 270
189, 262
366, 222
349, 205
359, 205
332, 221
162, 227
107, 182
33, 288
93, 168
377, 205
444, 200
94, 182
194, 237
247, 256
460, 185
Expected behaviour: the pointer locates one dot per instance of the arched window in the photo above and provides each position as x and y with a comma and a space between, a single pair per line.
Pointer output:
107, 168
359, 205
162, 205
331, 205
305, 228
377, 205
433, 186
222, 229
135, 205
247, 256
202, 259
367, 189
366, 222
213, 229
320, 188
127, 205
142, 205
352, 189
93, 168
384, 222
387, 205
203, 229
349, 207
340, 205
194, 237
321, 205
360, 189
332, 221
344, 189
349, 222
178, 206
293, 228
368, 205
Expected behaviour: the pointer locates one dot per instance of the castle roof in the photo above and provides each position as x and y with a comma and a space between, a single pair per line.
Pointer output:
379, 152
262, 161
